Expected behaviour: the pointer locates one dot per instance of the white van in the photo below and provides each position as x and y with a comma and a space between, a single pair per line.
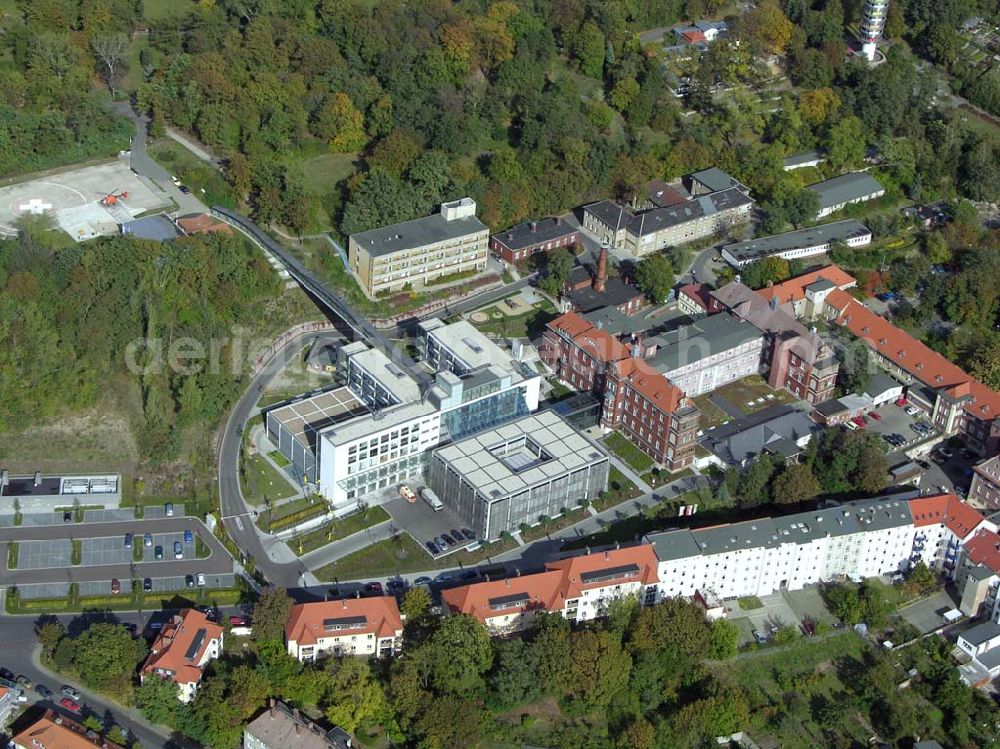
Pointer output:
432, 499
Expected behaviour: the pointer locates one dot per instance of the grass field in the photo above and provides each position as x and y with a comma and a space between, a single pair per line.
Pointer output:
262, 480
625, 449
711, 414
554, 525
321, 174
527, 325
745, 394
155, 10
400, 556
620, 488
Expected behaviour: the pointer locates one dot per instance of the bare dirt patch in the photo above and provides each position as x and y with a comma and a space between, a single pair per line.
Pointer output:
95, 441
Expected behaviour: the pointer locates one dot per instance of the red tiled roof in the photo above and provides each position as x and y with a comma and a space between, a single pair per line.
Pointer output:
652, 385
562, 580
305, 621
693, 36
170, 647
52, 731
541, 589
794, 289
573, 568
698, 293
960, 518
984, 548
922, 362
598, 343
202, 223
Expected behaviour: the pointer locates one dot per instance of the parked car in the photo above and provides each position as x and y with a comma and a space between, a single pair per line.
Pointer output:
444, 577
851, 425
175, 180
407, 493
116, 586
189, 581
808, 627
200, 579
158, 552
24, 681
147, 539
439, 540
128, 540
6, 673
188, 537
131, 628
67, 517
71, 705
861, 421
875, 415
43, 691
760, 637
901, 402
168, 509
468, 534
423, 580
945, 452
448, 539
912, 410
67, 691
457, 535
147, 584
469, 575
432, 548
178, 550
238, 621
372, 589
184, 189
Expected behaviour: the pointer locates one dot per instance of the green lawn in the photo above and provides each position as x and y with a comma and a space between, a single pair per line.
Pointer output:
745, 393
711, 414
620, 489
660, 476
157, 10
750, 603
261, 480
625, 449
402, 555
278, 458
193, 172
337, 529
527, 325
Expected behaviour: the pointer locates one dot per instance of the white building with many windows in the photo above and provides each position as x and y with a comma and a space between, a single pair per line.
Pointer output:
376, 430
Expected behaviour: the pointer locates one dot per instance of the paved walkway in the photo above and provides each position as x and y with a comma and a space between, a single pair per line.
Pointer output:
191, 146
634, 477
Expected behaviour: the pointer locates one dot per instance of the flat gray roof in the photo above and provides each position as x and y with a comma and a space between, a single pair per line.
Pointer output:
844, 188
305, 417
981, 633
801, 528
387, 374
797, 159
705, 337
416, 233
470, 345
837, 231
157, 228
496, 475
714, 178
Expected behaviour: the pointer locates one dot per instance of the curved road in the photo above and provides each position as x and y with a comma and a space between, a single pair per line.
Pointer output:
236, 515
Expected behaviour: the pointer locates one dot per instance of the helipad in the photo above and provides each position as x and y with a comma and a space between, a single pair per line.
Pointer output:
73, 199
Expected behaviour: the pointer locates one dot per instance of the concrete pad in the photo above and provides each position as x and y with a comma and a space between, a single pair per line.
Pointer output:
43, 590
808, 602
35, 555
926, 614
72, 197
423, 524
105, 550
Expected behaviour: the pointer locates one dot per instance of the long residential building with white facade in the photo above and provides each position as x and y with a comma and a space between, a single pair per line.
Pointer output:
867, 538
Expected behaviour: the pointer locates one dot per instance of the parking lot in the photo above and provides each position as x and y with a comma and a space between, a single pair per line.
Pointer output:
926, 615
893, 419
34, 555
421, 522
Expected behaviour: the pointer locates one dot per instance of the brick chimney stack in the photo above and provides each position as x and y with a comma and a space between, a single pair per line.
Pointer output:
602, 271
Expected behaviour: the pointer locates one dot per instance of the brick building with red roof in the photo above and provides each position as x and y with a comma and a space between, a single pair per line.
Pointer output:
637, 399
954, 401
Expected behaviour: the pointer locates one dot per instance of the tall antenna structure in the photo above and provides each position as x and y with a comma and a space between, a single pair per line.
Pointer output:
872, 24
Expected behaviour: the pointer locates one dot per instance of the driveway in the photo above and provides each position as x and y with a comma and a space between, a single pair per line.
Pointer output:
926, 614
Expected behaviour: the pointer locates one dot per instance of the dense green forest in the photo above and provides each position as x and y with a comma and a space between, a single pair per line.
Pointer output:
74, 322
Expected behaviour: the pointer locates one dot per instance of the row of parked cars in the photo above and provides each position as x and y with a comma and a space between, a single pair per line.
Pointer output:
147, 540
454, 537
71, 698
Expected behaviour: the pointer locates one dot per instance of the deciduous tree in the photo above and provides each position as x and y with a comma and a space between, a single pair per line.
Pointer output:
270, 614
655, 277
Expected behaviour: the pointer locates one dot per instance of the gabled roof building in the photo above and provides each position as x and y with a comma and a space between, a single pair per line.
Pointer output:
181, 651
351, 626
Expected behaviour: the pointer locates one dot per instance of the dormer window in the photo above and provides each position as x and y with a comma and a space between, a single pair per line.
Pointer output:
881, 341
901, 353
938, 378
920, 365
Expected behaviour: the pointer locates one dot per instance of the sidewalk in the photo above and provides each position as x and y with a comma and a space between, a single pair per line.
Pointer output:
355, 542
622, 466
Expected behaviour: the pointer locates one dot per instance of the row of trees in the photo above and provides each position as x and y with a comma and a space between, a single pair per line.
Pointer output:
836, 462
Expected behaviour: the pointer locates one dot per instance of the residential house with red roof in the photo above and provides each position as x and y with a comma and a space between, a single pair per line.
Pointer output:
803, 296
580, 588
181, 651
986, 483
351, 626
53, 731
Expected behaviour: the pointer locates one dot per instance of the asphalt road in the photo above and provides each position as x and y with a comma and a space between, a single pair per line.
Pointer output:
237, 517
218, 563
19, 652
